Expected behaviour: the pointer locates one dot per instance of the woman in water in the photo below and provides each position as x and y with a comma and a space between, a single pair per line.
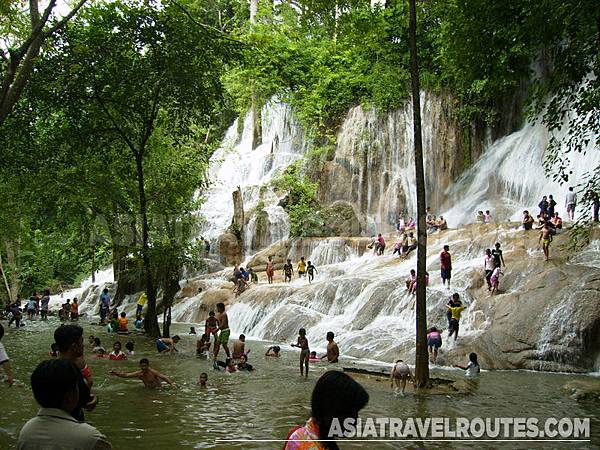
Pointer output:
336, 395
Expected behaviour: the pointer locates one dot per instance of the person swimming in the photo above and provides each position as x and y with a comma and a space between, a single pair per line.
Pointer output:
313, 357
150, 377
273, 350
202, 380
472, 368
117, 354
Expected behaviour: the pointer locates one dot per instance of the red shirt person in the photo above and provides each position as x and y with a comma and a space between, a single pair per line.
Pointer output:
446, 265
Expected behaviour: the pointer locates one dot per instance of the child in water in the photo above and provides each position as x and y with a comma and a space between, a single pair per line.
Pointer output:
192, 330
434, 342
123, 322
400, 375
311, 269
211, 326
129, 347
273, 350
302, 344
98, 349
313, 357
117, 354
472, 368
53, 350
202, 379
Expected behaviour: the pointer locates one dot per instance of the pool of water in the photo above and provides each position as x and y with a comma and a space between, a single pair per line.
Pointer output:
263, 404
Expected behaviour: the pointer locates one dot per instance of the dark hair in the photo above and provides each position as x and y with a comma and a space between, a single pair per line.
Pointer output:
455, 296
54, 347
176, 338
302, 331
118, 342
242, 337
123, 314
52, 380
67, 335
330, 335
446, 247
473, 357
105, 291
144, 361
129, 346
203, 374
220, 306
211, 313
336, 395
97, 342
276, 348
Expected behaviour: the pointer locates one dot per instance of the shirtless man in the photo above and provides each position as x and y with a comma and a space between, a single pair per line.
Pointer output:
270, 270
545, 239
224, 332
333, 351
167, 345
239, 347
288, 271
150, 377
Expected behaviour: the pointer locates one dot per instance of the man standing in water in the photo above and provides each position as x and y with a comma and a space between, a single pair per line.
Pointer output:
446, 265
104, 305
150, 377
224, 333
288, 271
333, 351
545, 239
69, 339
270, 270
570, 203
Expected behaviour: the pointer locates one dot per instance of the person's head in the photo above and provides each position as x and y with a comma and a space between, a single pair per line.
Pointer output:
488, 252
433, 330
105, 291
455, 297
47, 292
399, 361
211, 314
69, 339
302, 258
313, 354
203, 378
473, 357
123, 314
336, 395
544, 198
176, 338
480, 213
413, 272
330, 336
289, 260
551, 197
310, 263
242, 269
97, 342
276, 349
411, 234
75, 300
117, 346
302, 332
54, 384
446, 248
54, 347
144, 364
129, 345
243, 359
229, 362
571, 188
487, 212
270, 258
497, 245
555, 214
379, 235
92, 339
525, 213
242, 338
220, 307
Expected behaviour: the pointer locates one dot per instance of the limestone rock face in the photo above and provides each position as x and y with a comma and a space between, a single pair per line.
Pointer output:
231, 249
341, 220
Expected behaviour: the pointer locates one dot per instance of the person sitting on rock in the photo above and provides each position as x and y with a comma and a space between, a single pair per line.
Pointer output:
480, 217
556, 221
442, 224
527, 221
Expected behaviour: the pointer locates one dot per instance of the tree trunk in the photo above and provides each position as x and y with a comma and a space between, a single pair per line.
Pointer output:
93, 264
150, 321
10, 299
13, 267
422, 361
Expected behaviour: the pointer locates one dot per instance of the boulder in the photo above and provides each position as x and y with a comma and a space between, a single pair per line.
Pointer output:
230, 248
341, 219
584, 389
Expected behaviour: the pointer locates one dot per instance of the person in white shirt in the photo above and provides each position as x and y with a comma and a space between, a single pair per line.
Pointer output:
472, 368
55, 387
4, 361
570, 203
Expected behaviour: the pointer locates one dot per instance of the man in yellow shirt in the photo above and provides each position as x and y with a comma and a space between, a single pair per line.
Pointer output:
456, 311
301, 267
140, 304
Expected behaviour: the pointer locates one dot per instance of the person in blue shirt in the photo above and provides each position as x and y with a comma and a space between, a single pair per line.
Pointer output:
104, 305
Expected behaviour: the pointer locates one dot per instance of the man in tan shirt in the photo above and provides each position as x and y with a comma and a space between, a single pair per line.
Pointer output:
54, 386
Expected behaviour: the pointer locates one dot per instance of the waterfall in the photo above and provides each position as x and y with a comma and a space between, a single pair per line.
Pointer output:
236, 163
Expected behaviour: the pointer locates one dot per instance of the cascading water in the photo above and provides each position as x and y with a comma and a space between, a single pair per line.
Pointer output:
236, 164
